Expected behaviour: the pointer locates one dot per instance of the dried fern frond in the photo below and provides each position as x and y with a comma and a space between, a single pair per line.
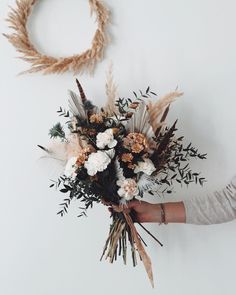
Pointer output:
158, 108
79, 63
111, 92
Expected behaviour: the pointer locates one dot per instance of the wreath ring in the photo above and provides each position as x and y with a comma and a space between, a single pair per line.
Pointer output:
79, 63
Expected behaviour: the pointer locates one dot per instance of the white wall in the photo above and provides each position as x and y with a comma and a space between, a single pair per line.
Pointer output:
187, 43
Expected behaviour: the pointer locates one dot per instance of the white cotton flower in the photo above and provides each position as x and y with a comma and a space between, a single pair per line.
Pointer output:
128, 188
71, 167
106, 139
145, 166
98, 161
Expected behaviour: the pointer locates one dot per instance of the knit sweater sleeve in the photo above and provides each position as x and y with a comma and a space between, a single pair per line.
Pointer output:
218, 207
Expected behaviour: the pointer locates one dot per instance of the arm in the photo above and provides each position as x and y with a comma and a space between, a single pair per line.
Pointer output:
218, 207
147, 212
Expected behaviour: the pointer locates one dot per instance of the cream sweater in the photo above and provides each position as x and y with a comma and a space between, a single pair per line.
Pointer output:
218, 207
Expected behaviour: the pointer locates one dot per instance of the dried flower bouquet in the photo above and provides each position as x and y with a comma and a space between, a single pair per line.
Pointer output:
116, 153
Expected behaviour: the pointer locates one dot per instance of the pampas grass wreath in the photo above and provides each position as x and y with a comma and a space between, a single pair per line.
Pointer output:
79, 63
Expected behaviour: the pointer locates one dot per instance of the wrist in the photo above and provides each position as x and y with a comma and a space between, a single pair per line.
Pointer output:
174, 212
156, 215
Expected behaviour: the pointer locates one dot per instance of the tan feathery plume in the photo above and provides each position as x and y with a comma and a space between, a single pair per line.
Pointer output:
158, 108
111, 92
84, 62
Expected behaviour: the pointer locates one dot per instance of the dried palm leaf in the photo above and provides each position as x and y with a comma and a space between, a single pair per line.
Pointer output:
140, 121
76, 105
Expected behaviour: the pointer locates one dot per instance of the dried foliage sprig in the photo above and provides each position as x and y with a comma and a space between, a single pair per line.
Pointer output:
79, 63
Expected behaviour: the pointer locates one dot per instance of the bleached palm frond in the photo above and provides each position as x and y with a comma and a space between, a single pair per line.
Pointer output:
140, 121
76, 105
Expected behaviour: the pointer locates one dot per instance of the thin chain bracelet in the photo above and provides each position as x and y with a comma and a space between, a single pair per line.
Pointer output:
163, 214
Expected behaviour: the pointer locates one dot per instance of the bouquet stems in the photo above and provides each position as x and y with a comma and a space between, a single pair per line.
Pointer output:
122, 230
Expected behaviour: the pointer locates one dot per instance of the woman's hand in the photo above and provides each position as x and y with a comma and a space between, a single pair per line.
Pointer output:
141, 211
144, 211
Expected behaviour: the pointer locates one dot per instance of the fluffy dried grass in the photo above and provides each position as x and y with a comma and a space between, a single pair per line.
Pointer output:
158, 108
84, 62
111, 92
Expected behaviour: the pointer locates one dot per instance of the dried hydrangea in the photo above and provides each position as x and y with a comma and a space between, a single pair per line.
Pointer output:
96, 118
135, 142
127, 157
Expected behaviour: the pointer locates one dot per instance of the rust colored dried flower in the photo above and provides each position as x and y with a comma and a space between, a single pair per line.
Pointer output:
145, 143
127, 157
115, 130
83, 156
96, 118
131, 166
137, 148
139, 137
81, 160
136, 142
